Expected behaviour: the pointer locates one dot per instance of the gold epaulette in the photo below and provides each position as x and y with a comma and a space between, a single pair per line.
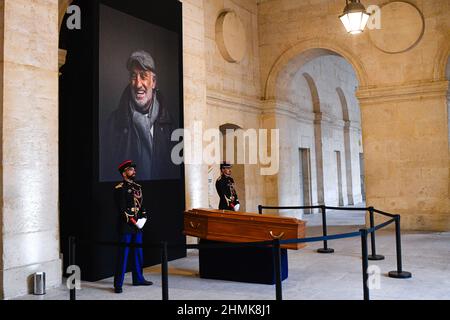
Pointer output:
120, 185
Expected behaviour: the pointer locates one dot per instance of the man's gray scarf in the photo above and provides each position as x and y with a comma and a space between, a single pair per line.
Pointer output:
144, 124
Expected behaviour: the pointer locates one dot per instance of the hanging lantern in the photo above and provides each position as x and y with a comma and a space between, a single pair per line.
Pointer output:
355, 17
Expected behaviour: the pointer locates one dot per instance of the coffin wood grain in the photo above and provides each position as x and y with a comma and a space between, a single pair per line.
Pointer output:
229, 226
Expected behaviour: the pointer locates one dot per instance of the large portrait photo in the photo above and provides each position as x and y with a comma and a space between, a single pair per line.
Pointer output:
139, 96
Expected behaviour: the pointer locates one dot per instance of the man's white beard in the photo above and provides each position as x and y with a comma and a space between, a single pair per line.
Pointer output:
142, 103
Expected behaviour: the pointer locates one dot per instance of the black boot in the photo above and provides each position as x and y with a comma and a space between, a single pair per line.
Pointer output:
144, 283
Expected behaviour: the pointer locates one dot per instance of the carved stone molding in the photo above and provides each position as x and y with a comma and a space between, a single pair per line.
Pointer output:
410, 91
283, 108
230, 101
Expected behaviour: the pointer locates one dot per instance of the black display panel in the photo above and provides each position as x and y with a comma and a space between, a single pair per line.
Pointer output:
98, 83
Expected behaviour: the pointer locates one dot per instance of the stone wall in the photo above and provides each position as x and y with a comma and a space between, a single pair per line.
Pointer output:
194, 94
233, 90
29, 117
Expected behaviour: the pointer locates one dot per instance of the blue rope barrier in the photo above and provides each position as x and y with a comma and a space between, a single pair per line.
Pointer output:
275, 243
317, 239
381, 226
290, 208
385, 213
347, 209
228, 244
314, 207
240, 244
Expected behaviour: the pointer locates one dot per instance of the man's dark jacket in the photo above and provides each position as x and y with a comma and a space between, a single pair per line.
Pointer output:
227, 193
123, 142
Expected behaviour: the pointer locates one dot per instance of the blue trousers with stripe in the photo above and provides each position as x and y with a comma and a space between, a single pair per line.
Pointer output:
137, 256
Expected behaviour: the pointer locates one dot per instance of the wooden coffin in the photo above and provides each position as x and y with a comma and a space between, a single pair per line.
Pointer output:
229, 226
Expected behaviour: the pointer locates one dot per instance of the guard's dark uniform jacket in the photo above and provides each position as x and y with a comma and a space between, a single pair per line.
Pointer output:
227, 193
129, 201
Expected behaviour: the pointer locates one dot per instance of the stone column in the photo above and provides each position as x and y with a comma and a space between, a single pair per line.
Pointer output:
269, 122
319, 158
282, 188
195, 95
406, 152
29, 149
348, 162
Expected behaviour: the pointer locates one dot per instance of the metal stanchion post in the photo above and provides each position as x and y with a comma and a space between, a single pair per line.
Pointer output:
373, 256
365, 263
325, 248
260, 209
72, 249
164, 272
278, 276
399, 274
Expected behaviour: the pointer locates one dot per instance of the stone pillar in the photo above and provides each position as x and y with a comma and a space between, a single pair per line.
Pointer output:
319, 158
282, 188
195, 95
29, 149
406, 152
269, 122
353, 162
348, 163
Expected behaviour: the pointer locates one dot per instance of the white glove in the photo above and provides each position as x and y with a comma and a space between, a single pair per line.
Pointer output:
236, 207
140, 223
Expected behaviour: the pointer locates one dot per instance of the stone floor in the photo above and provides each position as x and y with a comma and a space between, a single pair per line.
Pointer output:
312, 276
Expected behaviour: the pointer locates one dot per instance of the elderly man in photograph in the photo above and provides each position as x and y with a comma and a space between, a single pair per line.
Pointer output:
140, 128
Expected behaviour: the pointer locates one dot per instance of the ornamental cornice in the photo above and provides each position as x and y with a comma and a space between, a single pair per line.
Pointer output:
405, 92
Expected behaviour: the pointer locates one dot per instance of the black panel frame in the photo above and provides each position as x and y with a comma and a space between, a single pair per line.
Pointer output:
86, 206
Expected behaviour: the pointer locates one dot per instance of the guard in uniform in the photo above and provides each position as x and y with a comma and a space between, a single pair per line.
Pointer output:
132, 218
226, 189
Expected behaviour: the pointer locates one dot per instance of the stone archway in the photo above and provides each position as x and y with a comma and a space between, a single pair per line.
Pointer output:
287, 68
302, 53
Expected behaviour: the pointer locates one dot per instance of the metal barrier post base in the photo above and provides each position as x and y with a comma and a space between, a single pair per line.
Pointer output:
376, 257
326, 251
400, 275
